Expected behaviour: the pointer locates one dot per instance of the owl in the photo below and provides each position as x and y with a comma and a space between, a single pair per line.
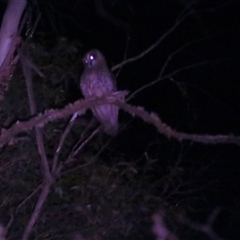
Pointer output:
97, 81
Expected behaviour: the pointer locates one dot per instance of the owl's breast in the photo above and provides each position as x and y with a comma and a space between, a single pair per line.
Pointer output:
96, 85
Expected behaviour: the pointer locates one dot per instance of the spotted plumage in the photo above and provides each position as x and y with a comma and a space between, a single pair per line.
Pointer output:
98, 81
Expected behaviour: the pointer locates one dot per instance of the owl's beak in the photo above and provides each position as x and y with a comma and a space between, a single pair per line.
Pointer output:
85, 61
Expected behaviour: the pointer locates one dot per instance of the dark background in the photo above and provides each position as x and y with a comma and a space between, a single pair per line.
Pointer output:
203, 97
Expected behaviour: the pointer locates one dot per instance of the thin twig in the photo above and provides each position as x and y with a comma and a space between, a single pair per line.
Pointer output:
179, 20
28, 197
89, 162
23, 22
37, 210
160, 78
20, 205
60, 144
78, 147
34, 27
207, 227
26, 59
212, 217
124, 57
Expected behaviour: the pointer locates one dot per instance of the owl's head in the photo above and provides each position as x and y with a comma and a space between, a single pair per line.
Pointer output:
94, 58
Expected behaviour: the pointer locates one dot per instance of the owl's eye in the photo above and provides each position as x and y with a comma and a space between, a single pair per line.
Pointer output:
91, 57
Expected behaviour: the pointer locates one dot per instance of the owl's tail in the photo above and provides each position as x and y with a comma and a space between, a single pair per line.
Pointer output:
111, 129
107, 115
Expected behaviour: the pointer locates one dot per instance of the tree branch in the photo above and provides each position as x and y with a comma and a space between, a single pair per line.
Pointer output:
41, 119
27, 72
81, 106
47, 177
166, 130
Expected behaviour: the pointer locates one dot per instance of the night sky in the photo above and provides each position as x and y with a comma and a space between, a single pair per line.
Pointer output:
201, 97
